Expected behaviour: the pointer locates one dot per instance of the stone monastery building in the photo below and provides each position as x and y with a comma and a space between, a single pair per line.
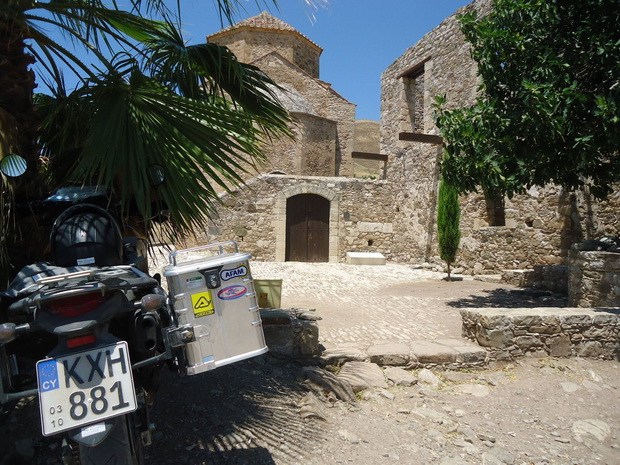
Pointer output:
349, 186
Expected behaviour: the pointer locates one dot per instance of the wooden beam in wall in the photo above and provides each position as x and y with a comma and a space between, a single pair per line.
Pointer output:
369, 156
419, 137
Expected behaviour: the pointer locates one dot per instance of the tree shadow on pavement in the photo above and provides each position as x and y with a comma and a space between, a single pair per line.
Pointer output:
511, 298
246, 413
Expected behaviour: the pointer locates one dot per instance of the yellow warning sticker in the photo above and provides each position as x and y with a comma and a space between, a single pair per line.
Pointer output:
202, 304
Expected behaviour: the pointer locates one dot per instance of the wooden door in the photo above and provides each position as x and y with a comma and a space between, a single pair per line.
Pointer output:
307, 228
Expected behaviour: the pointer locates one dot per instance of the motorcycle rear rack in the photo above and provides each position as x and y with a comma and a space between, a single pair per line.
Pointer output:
217, 248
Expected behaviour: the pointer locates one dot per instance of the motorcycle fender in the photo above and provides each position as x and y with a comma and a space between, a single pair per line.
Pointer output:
93, 435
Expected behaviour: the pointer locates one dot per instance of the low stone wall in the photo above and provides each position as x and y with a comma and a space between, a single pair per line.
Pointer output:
552, 278
558, 332
291, 333
594, 279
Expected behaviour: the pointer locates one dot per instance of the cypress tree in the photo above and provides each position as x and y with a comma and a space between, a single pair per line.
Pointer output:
448, 218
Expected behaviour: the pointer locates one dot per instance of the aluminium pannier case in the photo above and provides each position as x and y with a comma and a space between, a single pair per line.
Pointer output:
215, 296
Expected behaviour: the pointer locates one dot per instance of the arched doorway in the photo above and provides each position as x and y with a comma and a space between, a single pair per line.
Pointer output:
307, 228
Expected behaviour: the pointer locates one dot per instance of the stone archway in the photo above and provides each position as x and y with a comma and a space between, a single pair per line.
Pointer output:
334, 213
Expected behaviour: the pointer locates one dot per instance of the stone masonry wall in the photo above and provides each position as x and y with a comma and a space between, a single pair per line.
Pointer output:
364, 214
552, 278
317, 141
594, 279
540, 228
510, 333
443, 66
541, 225
325, 102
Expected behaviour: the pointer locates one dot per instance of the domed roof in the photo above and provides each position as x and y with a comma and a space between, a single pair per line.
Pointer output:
265, 20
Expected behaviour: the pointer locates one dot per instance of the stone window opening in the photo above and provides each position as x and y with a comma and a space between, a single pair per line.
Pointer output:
496, 214
413, 83
369, 165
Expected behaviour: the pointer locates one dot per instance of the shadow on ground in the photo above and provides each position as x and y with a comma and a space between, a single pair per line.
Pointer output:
510, 298
241, 414
245, 413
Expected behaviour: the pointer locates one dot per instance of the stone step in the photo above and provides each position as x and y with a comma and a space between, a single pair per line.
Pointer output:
446, 353
294, 333
365, 258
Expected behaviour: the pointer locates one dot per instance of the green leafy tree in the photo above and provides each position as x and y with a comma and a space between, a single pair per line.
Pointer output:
145, 98
548, 109
448, 219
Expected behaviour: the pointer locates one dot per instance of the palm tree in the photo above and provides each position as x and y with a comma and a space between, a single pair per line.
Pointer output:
144, 99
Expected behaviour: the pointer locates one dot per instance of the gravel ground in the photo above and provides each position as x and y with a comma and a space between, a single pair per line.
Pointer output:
265, 411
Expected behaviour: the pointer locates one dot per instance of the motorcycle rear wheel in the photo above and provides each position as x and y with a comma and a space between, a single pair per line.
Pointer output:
122, 446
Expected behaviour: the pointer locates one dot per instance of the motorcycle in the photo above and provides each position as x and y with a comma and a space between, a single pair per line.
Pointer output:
90, 331
99, 329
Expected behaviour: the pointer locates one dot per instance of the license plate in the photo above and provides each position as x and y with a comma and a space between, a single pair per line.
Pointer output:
85, 387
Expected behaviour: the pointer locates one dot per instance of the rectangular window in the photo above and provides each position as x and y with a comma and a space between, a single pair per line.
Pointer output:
496, 215
369, 165
413, 82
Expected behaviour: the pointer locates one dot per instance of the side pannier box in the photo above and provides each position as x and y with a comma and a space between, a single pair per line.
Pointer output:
215, 301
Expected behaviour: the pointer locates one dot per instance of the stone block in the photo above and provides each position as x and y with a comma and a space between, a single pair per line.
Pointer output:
279, 339
305, 338
362, 375
599, 332
400, 377
393, 354
607, 318
432, 352
545, 329
467, 352
576, 320
591, 349
496, 338
494, 321
289, 336
364, 226
365, 258
560, 346
527, 343
528, 320
342, 354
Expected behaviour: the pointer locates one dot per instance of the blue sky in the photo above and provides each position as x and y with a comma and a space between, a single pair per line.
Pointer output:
360, 38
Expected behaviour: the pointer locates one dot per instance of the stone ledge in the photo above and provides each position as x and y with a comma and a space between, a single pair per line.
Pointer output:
365, 258
294, 333
548, 331
423, 353
291, 333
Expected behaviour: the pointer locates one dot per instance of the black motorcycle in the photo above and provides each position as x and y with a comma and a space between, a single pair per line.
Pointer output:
91, 331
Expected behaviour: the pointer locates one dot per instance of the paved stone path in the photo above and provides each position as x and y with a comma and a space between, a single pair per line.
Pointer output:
376, 304
369, 306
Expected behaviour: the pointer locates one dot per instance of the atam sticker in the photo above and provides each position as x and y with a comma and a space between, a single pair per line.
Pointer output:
202, 303
232, 292
238, 272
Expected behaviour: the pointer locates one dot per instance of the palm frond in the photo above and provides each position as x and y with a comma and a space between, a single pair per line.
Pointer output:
206, 70
126, 127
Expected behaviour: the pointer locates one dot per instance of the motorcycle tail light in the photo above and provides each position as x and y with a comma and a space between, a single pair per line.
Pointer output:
70, 307
80, 341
